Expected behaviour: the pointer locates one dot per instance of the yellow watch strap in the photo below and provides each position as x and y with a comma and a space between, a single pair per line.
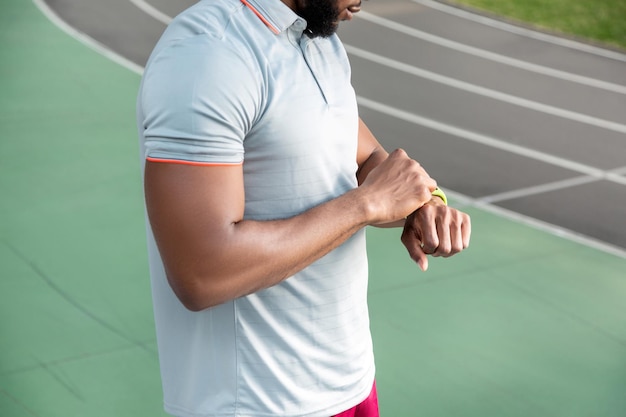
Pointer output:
439, 193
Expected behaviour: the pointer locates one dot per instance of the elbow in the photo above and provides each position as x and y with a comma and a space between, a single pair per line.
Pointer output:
193, 304
193, 294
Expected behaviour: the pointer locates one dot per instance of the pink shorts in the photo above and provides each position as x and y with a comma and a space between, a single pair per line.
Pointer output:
368, 408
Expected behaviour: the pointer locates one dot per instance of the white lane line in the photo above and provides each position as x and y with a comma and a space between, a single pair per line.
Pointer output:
619, 179
486, 92
150, 10
457, 46
85, 39
482, 139
611, 175
547, 187
538, 189
616, 175
518, 30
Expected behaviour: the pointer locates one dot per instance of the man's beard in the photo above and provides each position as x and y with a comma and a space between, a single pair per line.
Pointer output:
322, 17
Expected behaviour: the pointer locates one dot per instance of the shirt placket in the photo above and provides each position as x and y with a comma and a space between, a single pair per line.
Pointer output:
315, 61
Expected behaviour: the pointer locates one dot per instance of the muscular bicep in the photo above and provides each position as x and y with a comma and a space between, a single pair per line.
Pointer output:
191, 210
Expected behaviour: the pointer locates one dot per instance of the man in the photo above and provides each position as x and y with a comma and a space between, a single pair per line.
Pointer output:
259, 181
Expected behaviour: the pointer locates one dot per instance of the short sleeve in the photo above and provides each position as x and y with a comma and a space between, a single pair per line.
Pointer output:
199, 98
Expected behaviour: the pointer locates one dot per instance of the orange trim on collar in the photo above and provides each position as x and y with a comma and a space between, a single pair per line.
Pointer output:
260, 16
193, 163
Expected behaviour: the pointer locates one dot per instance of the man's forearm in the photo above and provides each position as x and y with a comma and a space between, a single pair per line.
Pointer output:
253, 255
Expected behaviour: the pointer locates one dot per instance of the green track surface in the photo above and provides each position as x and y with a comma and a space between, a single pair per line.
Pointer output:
524, 323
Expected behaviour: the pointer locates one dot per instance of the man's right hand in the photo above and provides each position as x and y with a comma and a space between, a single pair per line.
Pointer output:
396, 188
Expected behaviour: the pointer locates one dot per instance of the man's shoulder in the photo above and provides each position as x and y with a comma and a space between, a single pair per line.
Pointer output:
206, 19
203, 33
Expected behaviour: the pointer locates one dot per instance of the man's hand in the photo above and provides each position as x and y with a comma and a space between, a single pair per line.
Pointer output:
435, 229
396, 187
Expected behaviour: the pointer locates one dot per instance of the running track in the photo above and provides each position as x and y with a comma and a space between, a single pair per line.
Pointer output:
524, 323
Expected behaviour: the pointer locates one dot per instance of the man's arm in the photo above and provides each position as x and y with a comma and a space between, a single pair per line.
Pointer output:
433, 229
211, 255
370, 153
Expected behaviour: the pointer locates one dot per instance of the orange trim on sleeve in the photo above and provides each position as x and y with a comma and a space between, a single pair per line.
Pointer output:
260, 16
193, 163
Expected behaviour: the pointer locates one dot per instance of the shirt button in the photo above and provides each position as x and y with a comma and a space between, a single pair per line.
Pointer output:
299, 25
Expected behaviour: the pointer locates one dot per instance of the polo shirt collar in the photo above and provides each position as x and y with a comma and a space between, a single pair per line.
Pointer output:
276, 15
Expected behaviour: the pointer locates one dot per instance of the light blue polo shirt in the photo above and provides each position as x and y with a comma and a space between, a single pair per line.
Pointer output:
234, 82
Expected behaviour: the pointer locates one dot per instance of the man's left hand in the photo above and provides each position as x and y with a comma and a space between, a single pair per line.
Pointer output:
437, 230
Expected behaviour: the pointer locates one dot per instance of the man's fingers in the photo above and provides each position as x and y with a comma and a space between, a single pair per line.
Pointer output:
466, 230
420, 258
436, 230
422, 261
444, 231
413, 245
460, 231
431, 239
430, 230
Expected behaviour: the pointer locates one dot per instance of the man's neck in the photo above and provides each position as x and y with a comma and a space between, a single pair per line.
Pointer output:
292, 4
